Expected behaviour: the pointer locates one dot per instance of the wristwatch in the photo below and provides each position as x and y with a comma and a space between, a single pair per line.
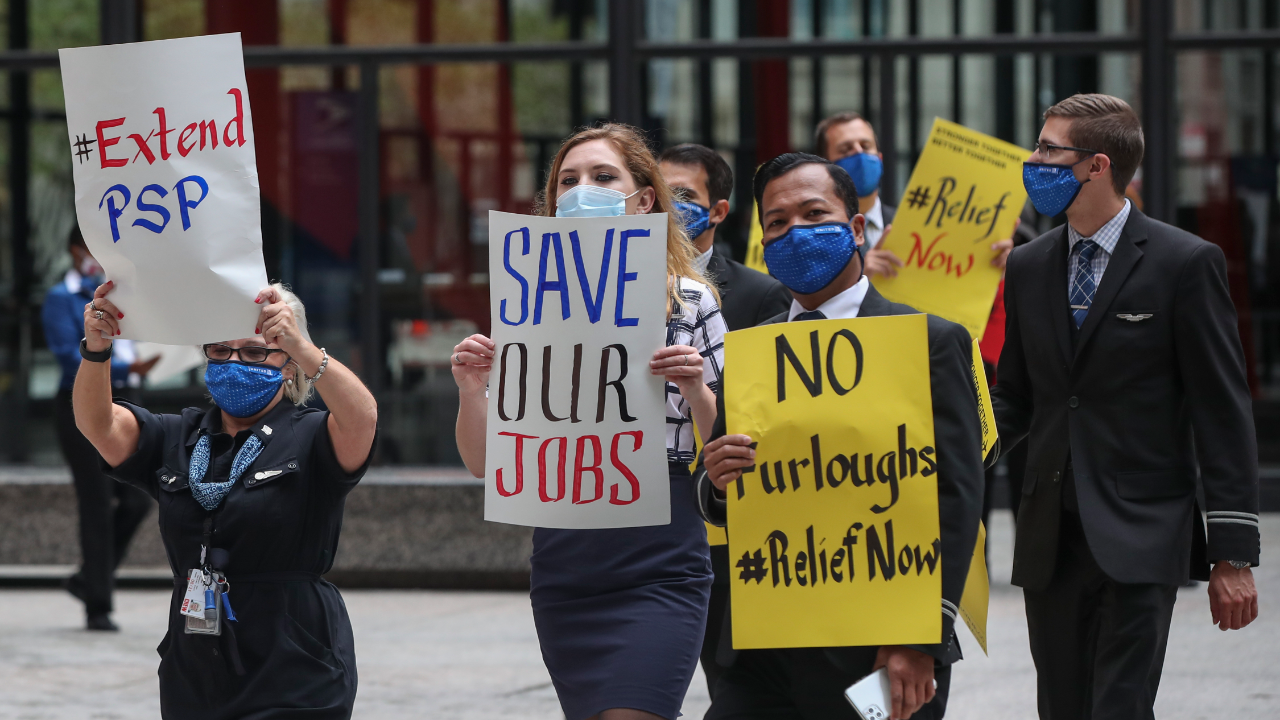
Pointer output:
98, 357
1240, 564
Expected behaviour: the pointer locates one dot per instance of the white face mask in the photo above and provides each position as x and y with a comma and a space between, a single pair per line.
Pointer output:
592, 201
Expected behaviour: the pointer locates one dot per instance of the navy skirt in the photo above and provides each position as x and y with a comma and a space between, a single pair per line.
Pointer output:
621, 612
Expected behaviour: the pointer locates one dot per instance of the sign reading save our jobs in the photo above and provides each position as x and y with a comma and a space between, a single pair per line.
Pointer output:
964, 195
834, 534
167, 184
576, 422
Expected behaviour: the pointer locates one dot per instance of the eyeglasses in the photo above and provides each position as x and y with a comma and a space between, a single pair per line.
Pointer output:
1045, 148
250, 353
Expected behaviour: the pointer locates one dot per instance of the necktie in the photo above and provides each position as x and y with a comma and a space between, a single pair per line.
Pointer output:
810, 315
1083, 286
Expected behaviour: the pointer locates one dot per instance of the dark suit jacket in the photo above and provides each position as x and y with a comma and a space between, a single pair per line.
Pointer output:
957, 435
747, 297
1157, 357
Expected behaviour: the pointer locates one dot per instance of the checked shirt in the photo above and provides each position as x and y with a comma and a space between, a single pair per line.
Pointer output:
701, 326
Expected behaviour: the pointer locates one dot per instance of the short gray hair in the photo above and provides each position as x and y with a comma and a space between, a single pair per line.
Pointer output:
300, 391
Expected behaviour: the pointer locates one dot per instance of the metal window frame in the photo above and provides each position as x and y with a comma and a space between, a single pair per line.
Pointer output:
627, 53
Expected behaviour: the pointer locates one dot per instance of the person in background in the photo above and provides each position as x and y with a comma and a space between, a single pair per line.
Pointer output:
1122, 368
813, 234
849, 141
620, 630
109, 511
704, 181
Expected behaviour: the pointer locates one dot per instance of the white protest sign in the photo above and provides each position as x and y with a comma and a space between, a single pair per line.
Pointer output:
577, 423
167, 184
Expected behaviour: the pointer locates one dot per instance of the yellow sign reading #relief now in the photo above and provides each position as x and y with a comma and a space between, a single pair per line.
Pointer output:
964, 195
835, 536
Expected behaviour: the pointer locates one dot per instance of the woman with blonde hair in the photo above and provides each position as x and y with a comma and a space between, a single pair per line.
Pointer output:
251, 492
620, 612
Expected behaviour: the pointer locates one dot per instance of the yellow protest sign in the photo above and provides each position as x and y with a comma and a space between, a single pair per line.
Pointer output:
964, 195
986, 415
977, 591
755, 244
835, 530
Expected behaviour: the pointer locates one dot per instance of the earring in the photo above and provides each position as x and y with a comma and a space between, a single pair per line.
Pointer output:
289, 381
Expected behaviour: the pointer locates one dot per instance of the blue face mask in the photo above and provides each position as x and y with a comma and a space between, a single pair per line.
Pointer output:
696, 218
808, 257
242, 390
582, 201
1052, 188
865, 169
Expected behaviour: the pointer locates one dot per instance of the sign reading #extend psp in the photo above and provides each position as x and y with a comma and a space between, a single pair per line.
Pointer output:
166, 183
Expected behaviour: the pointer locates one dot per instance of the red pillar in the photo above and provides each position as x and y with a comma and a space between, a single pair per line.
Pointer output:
772, 80
258, 23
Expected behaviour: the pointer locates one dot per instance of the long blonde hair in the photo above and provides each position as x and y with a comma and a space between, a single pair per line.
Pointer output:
644, 170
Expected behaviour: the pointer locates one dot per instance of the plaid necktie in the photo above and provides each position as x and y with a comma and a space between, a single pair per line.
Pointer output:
810, 315
1083, 287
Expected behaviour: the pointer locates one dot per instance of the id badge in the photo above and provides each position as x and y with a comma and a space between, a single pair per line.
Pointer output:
200, 604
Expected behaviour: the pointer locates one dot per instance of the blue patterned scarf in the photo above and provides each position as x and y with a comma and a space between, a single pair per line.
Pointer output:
210, 494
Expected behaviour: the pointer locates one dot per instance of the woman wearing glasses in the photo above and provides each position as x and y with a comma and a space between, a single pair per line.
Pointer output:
251, 494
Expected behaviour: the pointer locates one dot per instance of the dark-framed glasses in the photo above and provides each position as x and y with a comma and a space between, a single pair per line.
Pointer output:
1045, 148
250, 353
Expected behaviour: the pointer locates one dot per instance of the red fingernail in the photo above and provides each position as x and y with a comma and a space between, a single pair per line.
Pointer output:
257, 330
257, 300
121, 315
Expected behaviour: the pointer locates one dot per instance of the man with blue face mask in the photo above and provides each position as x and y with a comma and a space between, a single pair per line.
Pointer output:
1123, 369
109, 513
849, 141
813, 235
747, 298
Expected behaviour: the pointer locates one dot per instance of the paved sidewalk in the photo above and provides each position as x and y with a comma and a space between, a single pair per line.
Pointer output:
464, 655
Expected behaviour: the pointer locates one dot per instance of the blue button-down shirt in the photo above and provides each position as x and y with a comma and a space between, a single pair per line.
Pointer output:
1107, 237
63, 316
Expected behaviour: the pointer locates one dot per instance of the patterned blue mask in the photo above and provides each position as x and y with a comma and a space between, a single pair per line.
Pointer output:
696, 218
865, 169
242, 390
1052, 188
808, 257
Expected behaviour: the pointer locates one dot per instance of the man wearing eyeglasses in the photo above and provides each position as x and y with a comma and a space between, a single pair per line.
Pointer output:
1122, 367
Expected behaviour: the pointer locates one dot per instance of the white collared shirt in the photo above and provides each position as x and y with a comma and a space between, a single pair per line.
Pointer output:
1107, 237
844, 306
703, 260
874, 230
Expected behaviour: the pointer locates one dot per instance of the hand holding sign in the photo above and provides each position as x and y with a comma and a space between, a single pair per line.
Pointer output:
472, 359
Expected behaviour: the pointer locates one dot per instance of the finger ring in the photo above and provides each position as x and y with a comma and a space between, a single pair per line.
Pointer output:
455, 359
94, 304
686, 359
97, 314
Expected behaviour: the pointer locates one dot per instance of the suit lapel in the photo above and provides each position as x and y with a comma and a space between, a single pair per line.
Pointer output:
1057, 289
1119, 267
873, 304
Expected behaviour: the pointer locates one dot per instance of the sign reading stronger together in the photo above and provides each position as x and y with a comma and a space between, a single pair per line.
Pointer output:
167, 184
576, 422
834, 533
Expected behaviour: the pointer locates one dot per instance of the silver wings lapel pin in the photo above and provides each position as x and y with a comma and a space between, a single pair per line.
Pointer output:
1134, 317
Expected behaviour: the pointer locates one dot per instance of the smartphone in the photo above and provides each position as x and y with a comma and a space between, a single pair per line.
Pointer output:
871, 697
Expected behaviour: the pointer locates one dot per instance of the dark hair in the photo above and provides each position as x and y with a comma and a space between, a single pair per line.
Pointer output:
719, 174
75, 239
840, 118
787, 162
1106, 124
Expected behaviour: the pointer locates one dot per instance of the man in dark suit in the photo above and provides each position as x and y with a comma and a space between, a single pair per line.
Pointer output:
794, 191
747, 298
1123, 367
704, 180
839, 138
